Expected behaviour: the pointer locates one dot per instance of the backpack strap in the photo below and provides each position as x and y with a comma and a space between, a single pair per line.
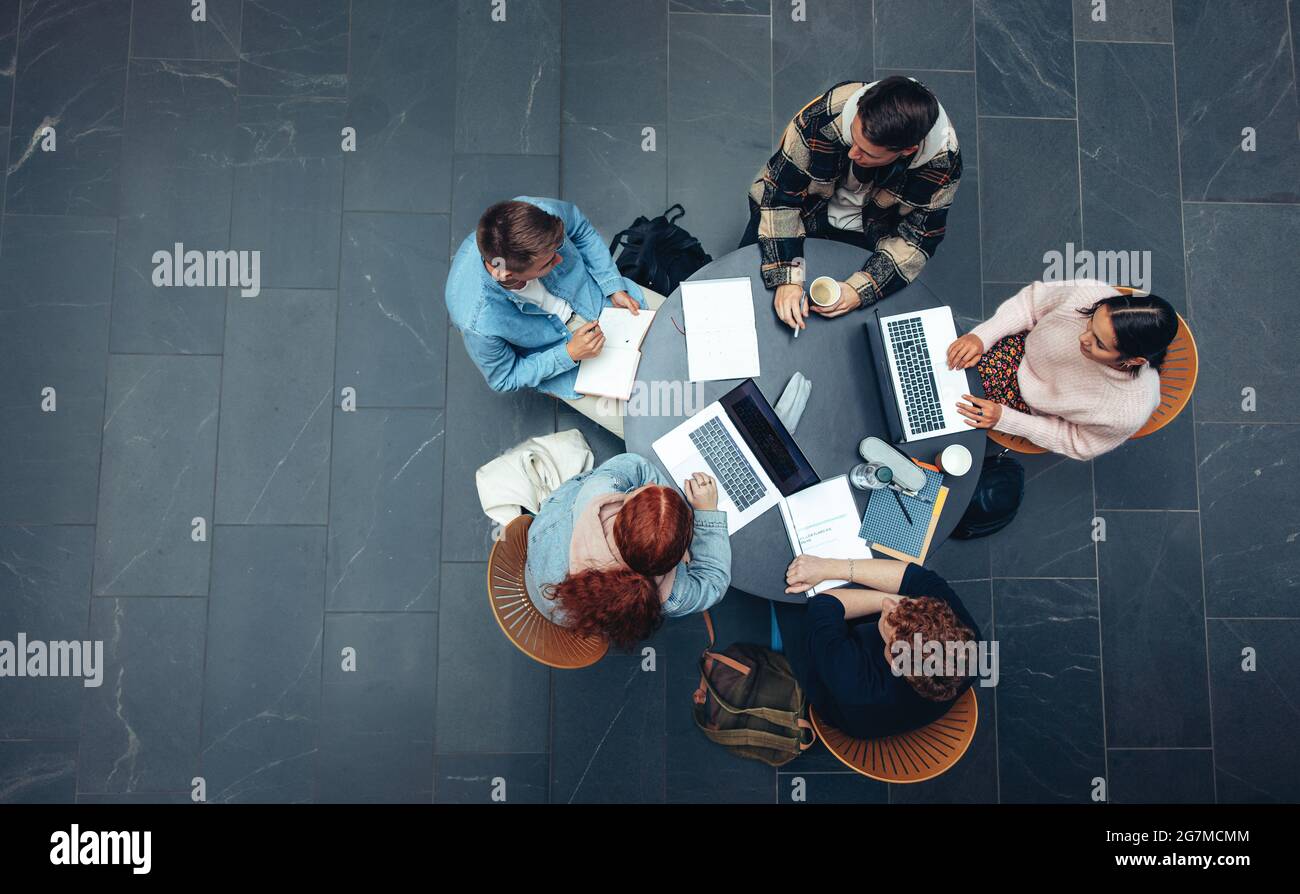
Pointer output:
680, 212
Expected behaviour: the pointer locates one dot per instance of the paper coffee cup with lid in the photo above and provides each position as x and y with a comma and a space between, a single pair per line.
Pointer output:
954, 460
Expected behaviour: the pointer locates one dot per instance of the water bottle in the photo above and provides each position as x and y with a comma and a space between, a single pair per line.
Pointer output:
871, 476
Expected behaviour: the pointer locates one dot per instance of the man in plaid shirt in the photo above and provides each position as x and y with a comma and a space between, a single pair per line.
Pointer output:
875, 165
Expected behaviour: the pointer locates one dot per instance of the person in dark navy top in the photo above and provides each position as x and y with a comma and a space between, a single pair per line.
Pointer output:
846, 645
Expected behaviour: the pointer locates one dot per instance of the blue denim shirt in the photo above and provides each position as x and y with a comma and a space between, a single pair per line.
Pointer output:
698, 584
518, 345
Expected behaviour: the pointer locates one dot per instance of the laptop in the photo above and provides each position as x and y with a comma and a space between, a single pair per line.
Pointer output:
740, 442
919, 392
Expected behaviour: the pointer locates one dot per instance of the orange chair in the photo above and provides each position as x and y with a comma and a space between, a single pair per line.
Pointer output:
1177, 379
907, 757
532, 632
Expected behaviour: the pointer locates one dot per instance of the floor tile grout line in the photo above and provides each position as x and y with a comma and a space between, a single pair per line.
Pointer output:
1196, 450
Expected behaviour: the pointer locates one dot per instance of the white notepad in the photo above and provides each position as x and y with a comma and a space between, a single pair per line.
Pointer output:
721, 341
822, 520
612, 372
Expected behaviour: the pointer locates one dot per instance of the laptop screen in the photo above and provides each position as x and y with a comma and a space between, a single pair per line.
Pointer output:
758, 424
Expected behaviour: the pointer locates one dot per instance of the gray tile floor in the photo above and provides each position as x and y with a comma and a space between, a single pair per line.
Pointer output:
199, 499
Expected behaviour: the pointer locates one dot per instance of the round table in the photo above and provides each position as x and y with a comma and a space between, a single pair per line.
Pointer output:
844, 406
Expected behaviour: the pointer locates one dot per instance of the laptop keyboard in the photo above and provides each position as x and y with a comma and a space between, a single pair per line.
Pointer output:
728, 464
915, 375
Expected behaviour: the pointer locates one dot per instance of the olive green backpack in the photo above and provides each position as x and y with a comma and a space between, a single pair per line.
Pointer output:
749, 702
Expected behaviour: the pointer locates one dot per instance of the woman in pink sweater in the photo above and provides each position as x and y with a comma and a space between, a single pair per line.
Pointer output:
1073, 366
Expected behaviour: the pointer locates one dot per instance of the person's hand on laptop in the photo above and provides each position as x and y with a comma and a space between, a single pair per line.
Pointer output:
965, 352
805, 572
980, 412
587, 341
849, 300
791, 305
624, 300
701, 491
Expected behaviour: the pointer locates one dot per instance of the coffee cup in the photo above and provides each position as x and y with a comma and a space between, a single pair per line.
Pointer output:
954, 460
824, 291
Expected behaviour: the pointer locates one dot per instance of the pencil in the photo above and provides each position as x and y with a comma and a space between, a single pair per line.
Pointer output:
901, 506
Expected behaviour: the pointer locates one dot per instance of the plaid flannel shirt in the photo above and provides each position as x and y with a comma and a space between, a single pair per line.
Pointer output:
904, 209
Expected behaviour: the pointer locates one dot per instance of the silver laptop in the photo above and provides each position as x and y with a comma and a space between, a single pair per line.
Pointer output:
924, 390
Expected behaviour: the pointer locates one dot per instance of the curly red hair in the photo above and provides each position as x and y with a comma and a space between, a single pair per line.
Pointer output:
652, 531
935, 620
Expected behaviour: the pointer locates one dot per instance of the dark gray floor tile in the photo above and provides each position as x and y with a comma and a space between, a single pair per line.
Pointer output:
700, 770
262, 687
483, 180
161, 29
159, 458
733, 7
491, 696
953, 274
720, 121
481, 425
1250, 512
56, 274
1051, 535
177, 181
1157, 776
956, 560
294, 48
71, 75
276, 381
1125, 20
1154, 472
289, 189
1255, 717
606, 171
1236, 71
1024, 55
615, 62
377, 719
1153, 631
385, 496
1129, 161
848, 787
1248, 340
1029, 195
8, 64
140, 729
38, 772
491, 778
392, 310
974, 778
1050, 724
833, 43
45, 594
508, 90
185, 797
402, 103
607, 724
925, 34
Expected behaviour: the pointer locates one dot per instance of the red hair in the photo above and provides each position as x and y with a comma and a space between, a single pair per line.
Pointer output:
652, 531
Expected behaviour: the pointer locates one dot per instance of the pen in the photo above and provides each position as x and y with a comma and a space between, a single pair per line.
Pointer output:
901, 506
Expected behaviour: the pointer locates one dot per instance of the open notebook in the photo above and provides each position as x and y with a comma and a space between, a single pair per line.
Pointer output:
822, 520
612, 372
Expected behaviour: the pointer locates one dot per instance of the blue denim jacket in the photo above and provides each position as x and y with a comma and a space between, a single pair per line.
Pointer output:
518, 345
699, 583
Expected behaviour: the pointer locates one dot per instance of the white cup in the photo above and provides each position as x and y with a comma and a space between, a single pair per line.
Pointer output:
954, 460
824, 291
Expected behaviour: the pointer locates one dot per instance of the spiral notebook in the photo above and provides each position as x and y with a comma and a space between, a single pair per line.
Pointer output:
886, 529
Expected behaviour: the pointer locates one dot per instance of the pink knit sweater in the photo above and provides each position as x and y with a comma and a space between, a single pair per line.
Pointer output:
1081, 408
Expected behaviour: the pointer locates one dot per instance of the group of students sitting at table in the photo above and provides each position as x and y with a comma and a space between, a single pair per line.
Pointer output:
1073, 367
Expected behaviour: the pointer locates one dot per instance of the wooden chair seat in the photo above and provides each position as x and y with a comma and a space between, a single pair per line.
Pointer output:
1177, 379
531, 631
907, 757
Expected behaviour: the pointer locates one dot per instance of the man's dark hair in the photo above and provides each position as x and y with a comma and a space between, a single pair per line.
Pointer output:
897, 113
519, 233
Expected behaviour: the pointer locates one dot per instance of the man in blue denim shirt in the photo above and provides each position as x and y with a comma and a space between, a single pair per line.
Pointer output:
526, 290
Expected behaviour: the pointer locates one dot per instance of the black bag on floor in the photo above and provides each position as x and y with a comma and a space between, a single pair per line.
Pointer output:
997, 498
657, 253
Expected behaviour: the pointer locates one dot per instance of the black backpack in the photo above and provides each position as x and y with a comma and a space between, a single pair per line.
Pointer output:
658, 253
996, 500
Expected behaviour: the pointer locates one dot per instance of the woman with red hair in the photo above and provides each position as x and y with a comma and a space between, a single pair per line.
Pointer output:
616, 550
